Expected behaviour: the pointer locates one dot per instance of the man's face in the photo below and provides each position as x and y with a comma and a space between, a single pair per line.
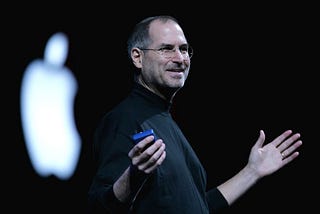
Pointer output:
167, 65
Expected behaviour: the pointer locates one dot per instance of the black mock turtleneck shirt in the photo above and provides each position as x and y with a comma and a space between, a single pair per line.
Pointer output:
178, 186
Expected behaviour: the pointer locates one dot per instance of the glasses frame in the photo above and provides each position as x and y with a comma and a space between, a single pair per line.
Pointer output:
161, 52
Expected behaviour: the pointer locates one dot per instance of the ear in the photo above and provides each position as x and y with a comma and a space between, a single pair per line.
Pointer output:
136, 56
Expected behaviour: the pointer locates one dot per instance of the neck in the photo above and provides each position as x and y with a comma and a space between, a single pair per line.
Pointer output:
166, 94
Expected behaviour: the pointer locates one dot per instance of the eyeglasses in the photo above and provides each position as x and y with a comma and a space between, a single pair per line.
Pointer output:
169, 51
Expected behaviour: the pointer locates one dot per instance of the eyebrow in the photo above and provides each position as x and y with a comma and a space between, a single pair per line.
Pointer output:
167, 44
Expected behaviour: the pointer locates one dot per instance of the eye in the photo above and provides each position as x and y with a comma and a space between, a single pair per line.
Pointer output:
184, 49
167, 48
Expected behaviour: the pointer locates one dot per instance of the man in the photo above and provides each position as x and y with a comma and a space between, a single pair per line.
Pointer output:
164, 175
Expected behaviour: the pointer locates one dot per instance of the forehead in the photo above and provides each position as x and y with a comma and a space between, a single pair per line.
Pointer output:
166, 33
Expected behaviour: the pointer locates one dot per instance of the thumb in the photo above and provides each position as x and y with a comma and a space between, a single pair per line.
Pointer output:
260, 140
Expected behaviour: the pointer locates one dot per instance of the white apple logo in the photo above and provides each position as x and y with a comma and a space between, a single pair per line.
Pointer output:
47, 112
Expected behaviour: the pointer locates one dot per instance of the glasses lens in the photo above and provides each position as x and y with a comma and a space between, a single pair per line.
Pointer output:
170, 52
190, 51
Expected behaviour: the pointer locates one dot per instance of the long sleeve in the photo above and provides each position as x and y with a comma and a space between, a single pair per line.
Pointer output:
216, 201
114, 205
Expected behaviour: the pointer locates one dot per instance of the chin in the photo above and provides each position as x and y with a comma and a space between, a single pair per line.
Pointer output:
176, 86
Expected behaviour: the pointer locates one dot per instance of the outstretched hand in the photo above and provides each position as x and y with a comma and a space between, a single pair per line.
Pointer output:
268, 158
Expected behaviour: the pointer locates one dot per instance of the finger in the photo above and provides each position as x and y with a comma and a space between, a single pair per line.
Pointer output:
140, 146
141, 158
158, 163
286, 152
277, 141
285, 144
290, 158
151, 155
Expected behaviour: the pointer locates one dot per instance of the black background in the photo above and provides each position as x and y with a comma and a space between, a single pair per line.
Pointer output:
254, 67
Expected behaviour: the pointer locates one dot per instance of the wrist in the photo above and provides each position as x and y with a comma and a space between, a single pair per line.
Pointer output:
121, 187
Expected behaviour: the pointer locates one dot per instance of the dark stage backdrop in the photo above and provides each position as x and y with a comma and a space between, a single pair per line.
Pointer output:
253, 68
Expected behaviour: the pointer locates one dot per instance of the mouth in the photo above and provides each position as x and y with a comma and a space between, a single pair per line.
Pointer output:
176, 70
176, 74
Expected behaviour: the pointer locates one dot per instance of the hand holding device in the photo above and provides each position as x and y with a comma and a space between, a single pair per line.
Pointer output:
141, 135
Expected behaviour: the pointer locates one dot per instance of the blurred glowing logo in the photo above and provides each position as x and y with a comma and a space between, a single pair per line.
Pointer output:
47, 112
